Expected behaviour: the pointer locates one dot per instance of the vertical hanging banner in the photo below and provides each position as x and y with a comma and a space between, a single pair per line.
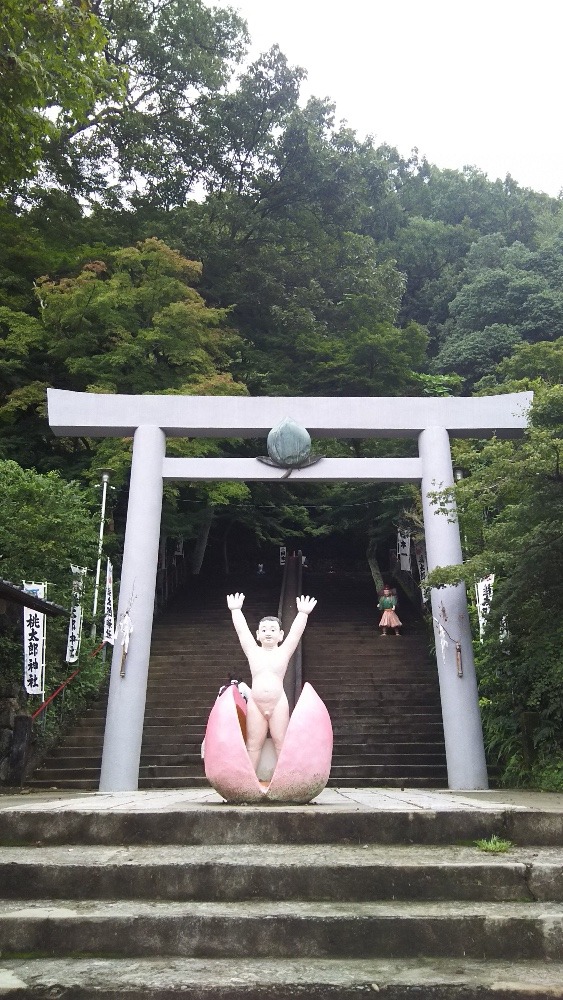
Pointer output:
75, 623
74, 634
34, 643
404, 549
484, 594
422, 564
109, 623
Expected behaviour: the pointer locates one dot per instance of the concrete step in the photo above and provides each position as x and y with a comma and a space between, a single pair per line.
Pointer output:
72, 752
281, 872
375, 772
363, 760
283, 929
434, 779
283, 979
131, 819
91, 784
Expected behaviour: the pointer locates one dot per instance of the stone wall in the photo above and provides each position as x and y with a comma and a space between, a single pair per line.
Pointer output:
10, 708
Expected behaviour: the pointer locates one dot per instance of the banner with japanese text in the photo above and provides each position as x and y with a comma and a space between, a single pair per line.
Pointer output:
109, 623
422, 564
75, 623
34, 643
404, 550
484, 595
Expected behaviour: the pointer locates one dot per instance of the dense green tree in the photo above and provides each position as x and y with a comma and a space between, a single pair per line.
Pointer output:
53, 73
46, 525
511, 509
131, 323
510, 294
174, 55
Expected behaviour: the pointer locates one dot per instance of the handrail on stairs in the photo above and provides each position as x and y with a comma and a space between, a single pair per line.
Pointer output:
290, 589
52, 696
19, 751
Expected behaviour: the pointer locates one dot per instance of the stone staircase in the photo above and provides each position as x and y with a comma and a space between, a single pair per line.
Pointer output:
382, 692
194, 647
120, 897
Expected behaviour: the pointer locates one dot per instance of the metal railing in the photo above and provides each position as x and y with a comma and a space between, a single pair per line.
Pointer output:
60, 690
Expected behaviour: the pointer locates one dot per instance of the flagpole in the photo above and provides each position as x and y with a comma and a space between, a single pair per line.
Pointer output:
105, 480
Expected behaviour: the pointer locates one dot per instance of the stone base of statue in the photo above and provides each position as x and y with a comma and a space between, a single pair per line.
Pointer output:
303, 766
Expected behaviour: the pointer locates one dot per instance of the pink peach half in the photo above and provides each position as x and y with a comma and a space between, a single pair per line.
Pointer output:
303, 767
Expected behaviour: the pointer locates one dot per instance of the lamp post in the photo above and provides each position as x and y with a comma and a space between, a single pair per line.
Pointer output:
105, 474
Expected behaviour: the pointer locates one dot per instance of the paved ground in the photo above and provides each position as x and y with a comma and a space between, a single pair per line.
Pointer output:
331, 799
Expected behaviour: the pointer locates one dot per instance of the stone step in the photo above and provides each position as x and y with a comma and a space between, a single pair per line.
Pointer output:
71, 751
283, 979
404, 767
90, 784
351, 729
90, 756
365, 873
128, 818
283, 929
434, 779
373, 772
392, 696
363, 760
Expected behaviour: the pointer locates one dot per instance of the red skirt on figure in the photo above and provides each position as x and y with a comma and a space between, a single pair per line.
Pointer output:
390, 620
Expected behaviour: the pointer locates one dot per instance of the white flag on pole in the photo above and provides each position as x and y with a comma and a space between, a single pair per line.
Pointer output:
484, 595
422, 564
404, 549
75, 623
34, 643
109, 623
74, 634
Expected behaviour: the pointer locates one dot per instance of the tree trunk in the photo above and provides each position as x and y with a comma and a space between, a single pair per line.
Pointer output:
201, 542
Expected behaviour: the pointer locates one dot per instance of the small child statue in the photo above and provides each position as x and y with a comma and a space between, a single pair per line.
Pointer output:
387, 603
268, 660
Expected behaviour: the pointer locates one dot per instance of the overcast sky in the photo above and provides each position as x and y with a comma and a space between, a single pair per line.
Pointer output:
465, 82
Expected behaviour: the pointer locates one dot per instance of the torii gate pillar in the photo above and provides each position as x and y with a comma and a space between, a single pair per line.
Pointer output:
152, 418
128, 679
463, 734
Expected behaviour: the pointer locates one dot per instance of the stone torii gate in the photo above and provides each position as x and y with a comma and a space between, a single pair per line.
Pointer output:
150, 419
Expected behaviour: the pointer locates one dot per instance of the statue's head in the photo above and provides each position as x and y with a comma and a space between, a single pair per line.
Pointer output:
270, 632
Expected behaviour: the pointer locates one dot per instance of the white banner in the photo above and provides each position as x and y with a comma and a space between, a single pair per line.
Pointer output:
75, 623
74, 634
404, 549
34, 643
422, 564
109, 622
484, 594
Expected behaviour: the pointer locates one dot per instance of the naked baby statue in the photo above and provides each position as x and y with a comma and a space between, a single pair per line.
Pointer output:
268, 659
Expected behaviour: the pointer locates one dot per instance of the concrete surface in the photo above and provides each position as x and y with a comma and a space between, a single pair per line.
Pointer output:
330, 800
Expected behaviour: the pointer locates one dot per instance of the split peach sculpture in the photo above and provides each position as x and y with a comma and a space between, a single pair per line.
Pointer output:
236, 732
303, 765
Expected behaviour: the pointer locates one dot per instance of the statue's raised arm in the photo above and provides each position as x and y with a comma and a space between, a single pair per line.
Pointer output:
246, 639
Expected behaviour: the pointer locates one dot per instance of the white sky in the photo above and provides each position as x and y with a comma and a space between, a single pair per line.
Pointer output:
465, 81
